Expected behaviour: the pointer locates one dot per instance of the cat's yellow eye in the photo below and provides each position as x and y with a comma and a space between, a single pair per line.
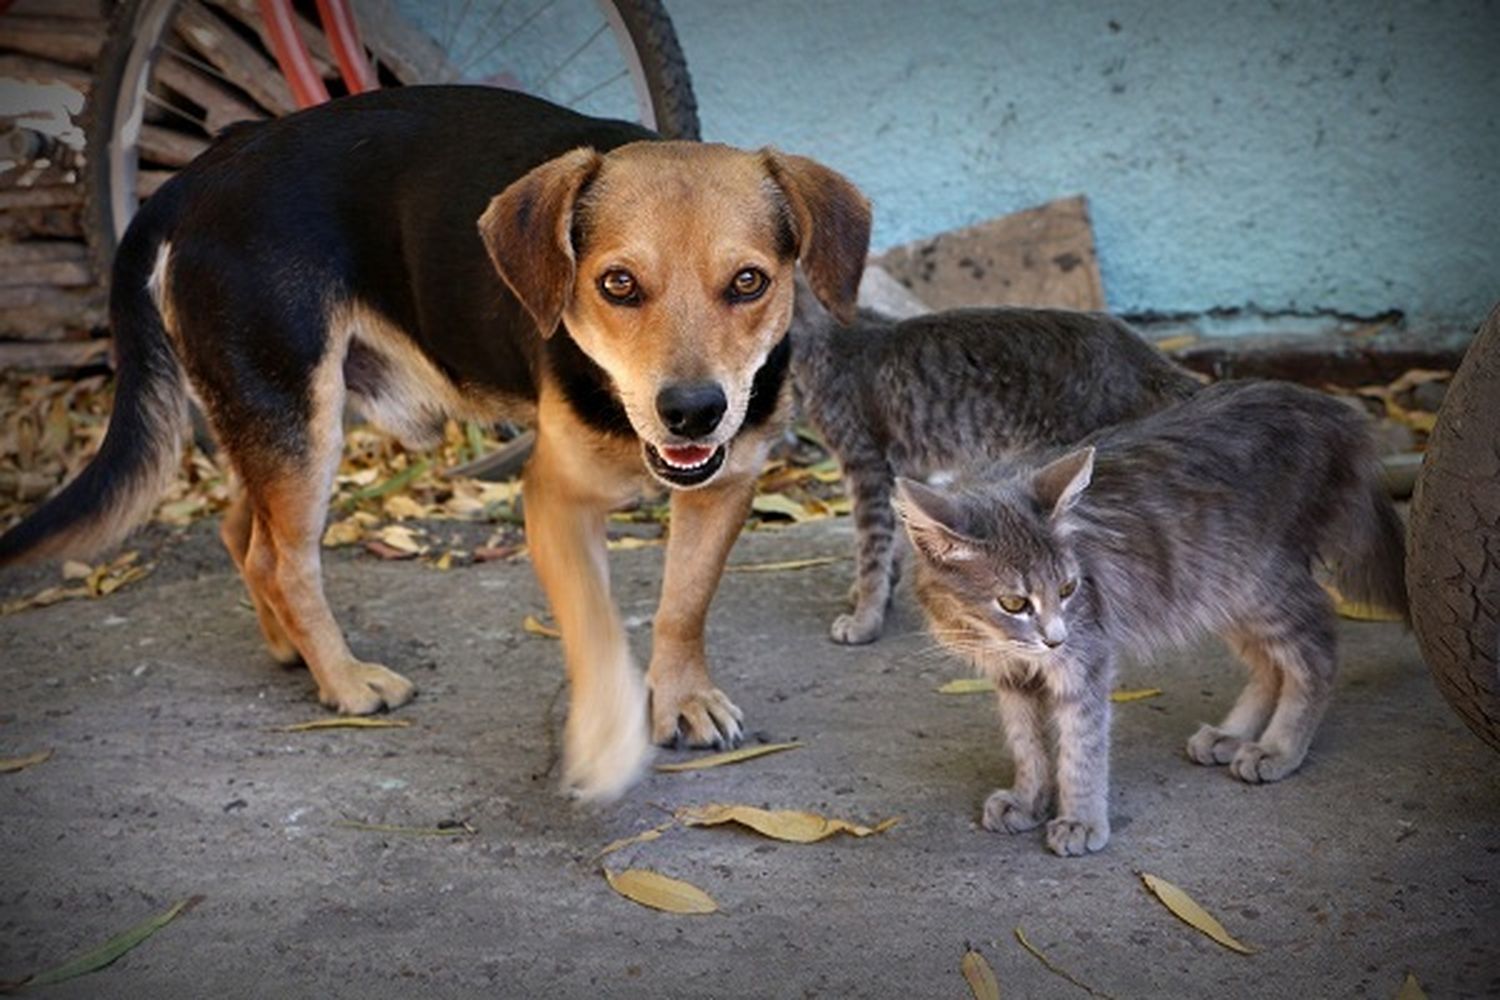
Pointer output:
1066, 590
1014, 605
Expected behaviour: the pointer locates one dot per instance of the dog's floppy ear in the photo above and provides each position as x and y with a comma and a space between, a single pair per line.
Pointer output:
831, 220
527, 229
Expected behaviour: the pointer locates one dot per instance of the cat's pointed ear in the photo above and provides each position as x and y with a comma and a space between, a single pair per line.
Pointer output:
1059, 483
928, 515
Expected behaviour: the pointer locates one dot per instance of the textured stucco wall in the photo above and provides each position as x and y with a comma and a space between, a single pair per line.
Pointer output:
1278, 157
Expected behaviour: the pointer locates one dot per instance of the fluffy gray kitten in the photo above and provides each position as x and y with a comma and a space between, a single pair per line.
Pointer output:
943, 392
1206, 517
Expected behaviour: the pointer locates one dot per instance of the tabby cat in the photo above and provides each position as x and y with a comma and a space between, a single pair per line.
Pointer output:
938, 393
1206, 517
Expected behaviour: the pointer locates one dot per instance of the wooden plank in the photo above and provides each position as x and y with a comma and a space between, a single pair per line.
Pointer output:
1043, 256
48, 263
34, 69
62, 356
169, 147
29, 223
242, 63
60, 39
49, 196
221, 107
51, 314
73, 10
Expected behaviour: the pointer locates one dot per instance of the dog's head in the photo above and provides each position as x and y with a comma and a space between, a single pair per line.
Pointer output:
672, 266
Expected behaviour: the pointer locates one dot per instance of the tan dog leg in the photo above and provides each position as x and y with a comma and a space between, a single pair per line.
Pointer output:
235, 531
684, 701
605, 745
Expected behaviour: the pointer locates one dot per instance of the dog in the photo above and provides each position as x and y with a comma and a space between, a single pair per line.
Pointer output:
431, 252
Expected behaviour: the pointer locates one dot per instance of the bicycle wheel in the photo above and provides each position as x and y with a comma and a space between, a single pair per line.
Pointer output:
1453, 541
172, 73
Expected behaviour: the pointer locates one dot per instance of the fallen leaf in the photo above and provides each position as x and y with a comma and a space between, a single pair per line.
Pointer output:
967, 685
533, 624
1177, 343
444, 561
1056, 970
112, 949
345, 532
1186, 909
780, 503
660, 892
784, 566
729, 757
778, 824
1411, 989
400, 538
1138, 694
453, 829
631, 542
645, 836
979, 975
9, 765
1361, 611
75, 570
342, 722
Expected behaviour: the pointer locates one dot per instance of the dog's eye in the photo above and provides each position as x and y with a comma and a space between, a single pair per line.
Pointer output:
618, 285
1013, 604
748, 285
1066, 590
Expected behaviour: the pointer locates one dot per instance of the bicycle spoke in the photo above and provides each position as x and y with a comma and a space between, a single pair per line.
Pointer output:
187, 116
464, 67
552, 75
579, 99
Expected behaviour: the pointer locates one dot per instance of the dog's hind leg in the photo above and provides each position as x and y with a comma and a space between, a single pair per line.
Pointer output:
684, 701
235, 531
288, 490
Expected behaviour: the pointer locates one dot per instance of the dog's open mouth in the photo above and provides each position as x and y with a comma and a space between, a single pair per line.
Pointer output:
684, 465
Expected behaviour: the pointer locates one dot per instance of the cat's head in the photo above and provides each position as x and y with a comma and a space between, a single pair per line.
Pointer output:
994, 563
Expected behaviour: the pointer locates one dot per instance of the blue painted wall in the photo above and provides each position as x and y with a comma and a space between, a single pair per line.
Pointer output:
1267, 157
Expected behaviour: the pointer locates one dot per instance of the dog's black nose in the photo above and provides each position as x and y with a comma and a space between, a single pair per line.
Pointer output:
691, 409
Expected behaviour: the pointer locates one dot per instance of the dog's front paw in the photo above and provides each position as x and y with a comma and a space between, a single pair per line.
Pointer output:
697, 717
856, 629
358, 688
1210, 745
1071, 837
1007, 812
604, 745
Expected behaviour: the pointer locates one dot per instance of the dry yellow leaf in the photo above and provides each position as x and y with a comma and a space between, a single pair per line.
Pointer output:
75, 570
444, 561
1411, 989
345, 532
780, 503
1186, 909
645, 836
730, 757
784, 566
967, 685
400, 538
1176, 343
779, 824
342, 722
402, 507
9, 765
1362, 612
660, 892
1136, 694
631, 542
533, 624
979, 976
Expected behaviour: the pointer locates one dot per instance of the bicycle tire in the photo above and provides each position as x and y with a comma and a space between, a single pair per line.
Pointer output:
1453, 540
136, 29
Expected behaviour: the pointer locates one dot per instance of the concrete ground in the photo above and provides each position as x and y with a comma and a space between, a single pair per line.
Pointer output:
1382, 856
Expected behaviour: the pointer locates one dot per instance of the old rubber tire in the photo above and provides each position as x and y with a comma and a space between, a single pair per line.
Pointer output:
1453, 543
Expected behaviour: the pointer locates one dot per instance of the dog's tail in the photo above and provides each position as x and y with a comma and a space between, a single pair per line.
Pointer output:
119, 487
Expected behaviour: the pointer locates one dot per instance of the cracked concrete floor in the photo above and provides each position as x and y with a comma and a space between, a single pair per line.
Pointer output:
1382, 856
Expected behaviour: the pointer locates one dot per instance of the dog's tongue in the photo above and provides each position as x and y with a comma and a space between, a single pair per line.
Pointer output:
687, 455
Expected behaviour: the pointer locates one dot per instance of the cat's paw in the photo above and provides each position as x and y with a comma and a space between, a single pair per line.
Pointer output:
1007, 812
1256, 764
856, 629
1210, 745
1069, 837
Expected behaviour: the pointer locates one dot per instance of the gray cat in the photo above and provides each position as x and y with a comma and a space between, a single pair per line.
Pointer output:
1206, 517
942, 392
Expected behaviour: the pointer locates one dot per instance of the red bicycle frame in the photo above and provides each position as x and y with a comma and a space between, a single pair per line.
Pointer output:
296, 62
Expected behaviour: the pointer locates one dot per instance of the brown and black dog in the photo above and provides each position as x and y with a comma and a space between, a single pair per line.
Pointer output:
630, 296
